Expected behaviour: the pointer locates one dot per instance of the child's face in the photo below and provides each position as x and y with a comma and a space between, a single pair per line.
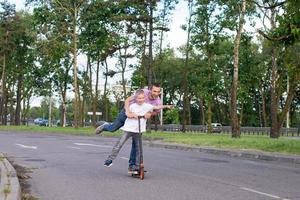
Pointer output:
140, 99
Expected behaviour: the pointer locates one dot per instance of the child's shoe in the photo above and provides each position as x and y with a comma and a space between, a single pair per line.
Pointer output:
108, 163
132, 169
136, 172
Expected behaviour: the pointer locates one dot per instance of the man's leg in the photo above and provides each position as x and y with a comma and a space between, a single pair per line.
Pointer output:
111, 127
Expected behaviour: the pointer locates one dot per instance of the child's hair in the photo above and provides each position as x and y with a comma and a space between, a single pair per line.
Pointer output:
138, 92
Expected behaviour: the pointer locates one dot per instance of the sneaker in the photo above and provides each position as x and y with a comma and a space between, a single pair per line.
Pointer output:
99, 129
108, 163
133, 169
136, 172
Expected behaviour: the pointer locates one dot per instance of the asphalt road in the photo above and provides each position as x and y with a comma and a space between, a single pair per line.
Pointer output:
71, 168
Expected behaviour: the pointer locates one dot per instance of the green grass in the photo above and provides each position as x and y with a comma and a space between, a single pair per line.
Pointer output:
261, 143
43, 129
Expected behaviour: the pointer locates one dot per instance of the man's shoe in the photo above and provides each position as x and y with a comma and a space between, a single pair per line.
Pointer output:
99, 129
108, 163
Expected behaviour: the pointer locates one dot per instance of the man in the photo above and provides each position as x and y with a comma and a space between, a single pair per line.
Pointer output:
151, 97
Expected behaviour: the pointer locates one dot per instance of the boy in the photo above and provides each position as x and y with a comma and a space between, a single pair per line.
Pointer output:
131, 128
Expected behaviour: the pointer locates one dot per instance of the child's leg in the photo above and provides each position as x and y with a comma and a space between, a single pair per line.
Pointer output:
116, 149
136, 139
132, 159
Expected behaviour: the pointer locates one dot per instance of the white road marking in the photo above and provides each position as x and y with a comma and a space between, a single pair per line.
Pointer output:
26, 147
228, 183
124, 158
74, 147
261, 193
93, 145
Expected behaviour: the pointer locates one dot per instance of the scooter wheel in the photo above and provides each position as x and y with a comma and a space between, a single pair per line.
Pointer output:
142, 175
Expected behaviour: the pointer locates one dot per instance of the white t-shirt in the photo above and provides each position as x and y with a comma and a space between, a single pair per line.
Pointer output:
131, 124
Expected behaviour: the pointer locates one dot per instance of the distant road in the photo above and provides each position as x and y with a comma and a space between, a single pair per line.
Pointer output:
70, 167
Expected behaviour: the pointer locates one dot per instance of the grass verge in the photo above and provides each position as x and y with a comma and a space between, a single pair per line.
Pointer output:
261, 143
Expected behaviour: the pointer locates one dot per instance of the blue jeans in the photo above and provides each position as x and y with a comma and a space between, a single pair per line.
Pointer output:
118, 123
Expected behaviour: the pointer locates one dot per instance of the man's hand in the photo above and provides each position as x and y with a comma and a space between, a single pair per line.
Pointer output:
148, 115
170, 106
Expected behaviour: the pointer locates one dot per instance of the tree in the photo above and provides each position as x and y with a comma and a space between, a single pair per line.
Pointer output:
24, 60
234, 118
206, 36
287, 34
65, 15
7, 32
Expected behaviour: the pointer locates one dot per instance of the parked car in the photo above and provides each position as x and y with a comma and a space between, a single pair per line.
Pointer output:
68, 123
216, 127
37, 121
44, 122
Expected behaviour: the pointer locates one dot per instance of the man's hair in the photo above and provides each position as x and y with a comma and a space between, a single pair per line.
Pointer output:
154, 85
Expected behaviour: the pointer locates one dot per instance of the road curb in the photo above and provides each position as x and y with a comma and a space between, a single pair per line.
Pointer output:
9, 183
246, 154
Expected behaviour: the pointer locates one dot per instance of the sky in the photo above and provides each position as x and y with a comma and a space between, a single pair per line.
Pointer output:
175, 38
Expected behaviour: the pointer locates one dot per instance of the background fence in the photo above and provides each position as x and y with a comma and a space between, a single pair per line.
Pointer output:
293, 132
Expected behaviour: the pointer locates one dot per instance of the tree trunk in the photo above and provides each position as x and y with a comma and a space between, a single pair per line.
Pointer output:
234, 117
291, 92
3, 93
26, 108
209, 115
144, 58
202, 111
96, 96
105, 93
263, 108
189, 114
241, 114
11, 108
218, 110
274, 132
123, 68
186, 70
75, 84
150, 59
50, 110
19, 96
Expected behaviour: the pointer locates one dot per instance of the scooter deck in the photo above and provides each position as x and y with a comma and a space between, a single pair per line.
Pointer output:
136, 174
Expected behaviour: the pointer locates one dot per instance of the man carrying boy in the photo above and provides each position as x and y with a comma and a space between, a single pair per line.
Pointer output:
151, 97
132, 127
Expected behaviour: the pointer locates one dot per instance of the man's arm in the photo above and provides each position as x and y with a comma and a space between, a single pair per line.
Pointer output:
126, 107
148, 115
158, 107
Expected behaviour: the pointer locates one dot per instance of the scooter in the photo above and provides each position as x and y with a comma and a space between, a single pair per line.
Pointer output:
141, 172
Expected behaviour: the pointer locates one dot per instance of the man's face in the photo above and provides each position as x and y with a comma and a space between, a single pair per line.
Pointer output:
155, 92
